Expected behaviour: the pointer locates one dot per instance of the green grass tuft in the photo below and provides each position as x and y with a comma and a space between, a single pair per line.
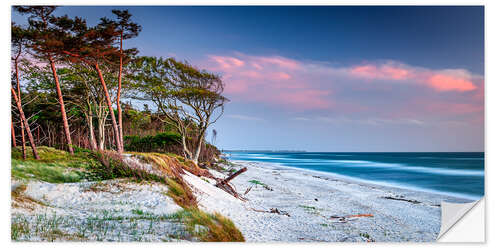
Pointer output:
257, 182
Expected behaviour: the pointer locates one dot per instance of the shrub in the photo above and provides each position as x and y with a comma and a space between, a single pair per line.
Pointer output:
168, 142
162, 142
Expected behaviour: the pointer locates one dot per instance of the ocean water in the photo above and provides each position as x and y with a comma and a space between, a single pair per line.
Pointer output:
455, 174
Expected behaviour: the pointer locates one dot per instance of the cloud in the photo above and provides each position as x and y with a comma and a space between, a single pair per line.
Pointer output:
269, 79
380, 72
396, 91
227, 62
448, 81
439, 80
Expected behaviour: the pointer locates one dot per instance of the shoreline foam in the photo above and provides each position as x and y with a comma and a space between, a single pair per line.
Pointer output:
451, 196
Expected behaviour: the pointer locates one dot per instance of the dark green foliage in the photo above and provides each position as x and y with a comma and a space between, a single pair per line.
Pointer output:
166, 142
162, 142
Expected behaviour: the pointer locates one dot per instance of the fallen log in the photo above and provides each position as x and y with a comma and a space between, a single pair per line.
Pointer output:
224, 184
228, 179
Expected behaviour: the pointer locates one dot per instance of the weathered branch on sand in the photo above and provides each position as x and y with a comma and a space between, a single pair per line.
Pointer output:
272, 211
224, 184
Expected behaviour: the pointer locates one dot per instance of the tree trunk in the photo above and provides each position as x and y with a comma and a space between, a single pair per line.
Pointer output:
26, 125
110, 107
13, 133
93, 143
101, 134
101, 122
118, 104
23, 140
187, 153
200, 141
63, 110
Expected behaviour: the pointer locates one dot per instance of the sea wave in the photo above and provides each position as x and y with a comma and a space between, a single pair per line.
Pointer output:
367, 164
420, 169
387, 183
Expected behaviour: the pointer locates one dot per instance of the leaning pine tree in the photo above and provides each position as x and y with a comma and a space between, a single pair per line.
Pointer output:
45, 41
92, 46
18, 42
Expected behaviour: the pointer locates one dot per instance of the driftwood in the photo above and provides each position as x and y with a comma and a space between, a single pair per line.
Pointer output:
401, 199
248, 190
276, 211
224, 184
272, 211
344, 219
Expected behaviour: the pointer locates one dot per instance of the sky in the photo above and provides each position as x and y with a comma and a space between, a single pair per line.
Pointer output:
336, 79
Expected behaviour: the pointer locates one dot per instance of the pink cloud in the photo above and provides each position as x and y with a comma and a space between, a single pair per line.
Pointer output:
396, 73
398, 89
227, 61
380, 72
269, 79
444, 80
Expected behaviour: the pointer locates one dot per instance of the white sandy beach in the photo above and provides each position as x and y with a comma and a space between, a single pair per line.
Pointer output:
319, 207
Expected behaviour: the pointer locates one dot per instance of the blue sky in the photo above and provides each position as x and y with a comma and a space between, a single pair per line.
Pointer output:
330, 78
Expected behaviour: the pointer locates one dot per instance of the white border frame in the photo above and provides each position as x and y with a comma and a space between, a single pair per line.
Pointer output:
492, 125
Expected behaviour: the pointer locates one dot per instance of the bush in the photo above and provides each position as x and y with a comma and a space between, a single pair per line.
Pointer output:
168, 142
162, 142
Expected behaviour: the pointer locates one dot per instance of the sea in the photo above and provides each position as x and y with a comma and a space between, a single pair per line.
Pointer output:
457, 174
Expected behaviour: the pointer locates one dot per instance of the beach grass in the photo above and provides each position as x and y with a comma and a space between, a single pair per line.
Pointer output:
209, 227
54, 166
